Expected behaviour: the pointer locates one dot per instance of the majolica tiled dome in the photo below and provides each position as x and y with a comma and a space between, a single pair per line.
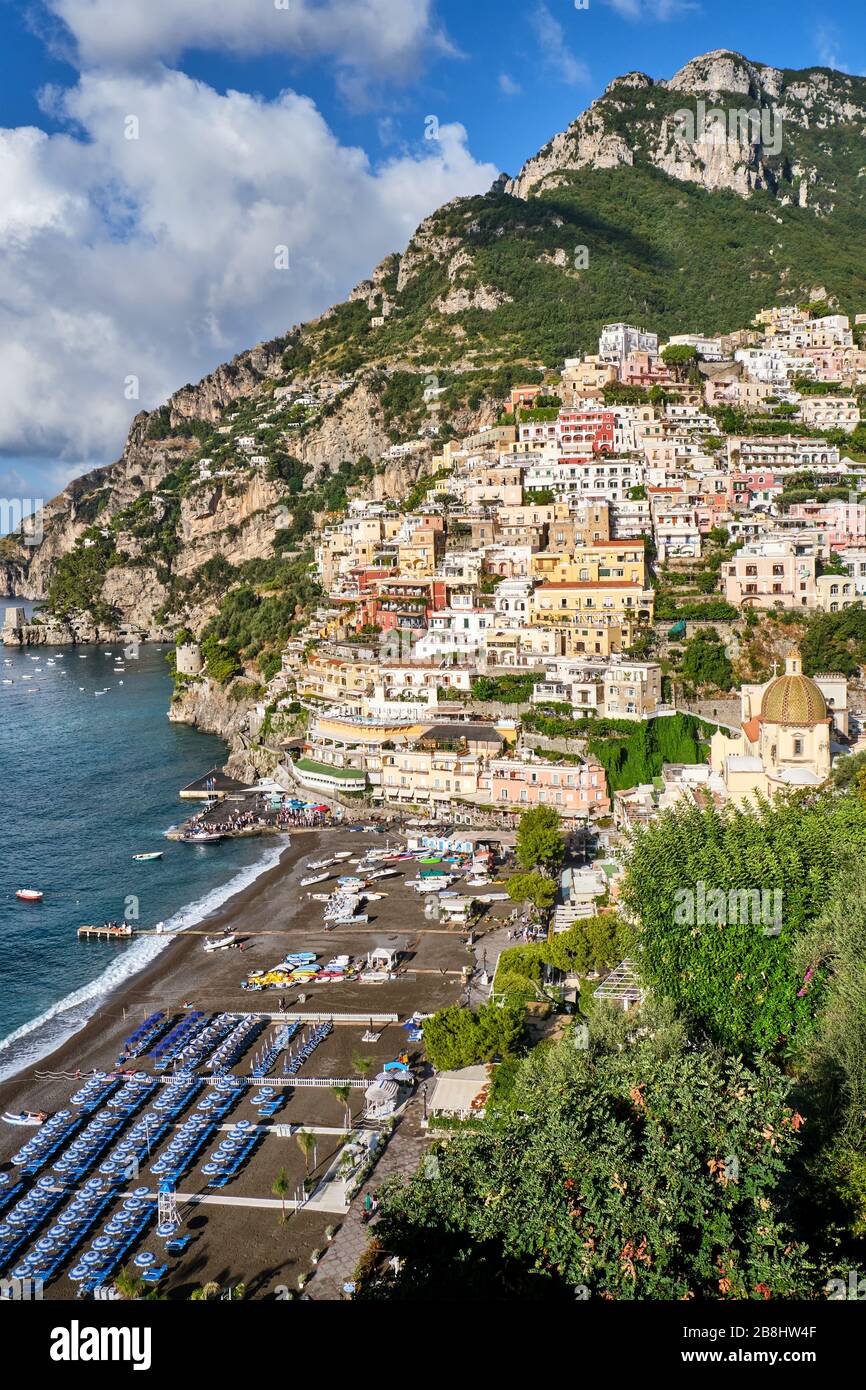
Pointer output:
793, 698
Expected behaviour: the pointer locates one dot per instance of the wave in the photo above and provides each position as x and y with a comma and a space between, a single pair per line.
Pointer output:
41, 1036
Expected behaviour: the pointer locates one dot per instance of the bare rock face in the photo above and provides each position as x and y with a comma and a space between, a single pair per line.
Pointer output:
629, 124
485, 297
587, 144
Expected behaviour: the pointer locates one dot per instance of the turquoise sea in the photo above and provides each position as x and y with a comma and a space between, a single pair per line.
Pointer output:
87, 782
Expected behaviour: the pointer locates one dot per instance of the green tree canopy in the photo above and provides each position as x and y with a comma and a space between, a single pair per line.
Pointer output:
645, 1173
539, 840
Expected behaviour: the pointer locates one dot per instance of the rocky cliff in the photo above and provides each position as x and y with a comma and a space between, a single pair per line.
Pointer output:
722, 122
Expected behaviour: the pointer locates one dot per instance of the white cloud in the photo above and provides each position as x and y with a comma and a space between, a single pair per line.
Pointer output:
154, 258
827, 47
386, 39
554, 51
508, 86
661, 10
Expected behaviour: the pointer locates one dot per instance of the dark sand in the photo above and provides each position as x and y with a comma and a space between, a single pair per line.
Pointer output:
248, 1244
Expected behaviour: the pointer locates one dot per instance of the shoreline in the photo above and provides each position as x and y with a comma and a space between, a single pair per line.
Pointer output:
150, 981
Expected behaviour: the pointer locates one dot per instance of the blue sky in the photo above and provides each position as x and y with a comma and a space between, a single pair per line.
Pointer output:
130, 266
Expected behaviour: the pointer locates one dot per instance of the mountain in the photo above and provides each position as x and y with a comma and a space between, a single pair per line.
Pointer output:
640, 210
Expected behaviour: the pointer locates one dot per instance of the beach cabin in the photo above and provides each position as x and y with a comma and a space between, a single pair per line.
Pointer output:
460, 1093
382, 964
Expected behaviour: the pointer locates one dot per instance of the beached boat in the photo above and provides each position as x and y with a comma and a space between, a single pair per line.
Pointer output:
151, 854
343, 854
29, 895
384, 873
219, 943
315, 878
24, 1117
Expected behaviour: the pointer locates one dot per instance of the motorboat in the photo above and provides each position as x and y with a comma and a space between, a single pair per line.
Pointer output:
315, 878
203, 837
151, 854
29, 895
220, 943
25, 1117
432, 885
343, 854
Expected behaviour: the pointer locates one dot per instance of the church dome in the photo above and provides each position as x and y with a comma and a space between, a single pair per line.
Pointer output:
793, 698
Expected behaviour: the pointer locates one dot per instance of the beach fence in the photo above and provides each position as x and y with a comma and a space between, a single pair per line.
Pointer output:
290, 1017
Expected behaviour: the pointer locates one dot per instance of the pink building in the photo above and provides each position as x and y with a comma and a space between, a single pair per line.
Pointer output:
844, 523
574, 790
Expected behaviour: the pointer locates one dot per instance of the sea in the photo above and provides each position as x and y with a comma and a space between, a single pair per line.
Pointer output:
88, 780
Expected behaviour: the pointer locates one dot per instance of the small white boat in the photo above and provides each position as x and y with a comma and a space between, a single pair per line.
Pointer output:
384, 873
316, 878
29, 895
8, 682
219, 943
151, 854
343, 854
203, 837
25, 1117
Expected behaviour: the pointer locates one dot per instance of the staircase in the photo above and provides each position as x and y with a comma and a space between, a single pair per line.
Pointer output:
566, 914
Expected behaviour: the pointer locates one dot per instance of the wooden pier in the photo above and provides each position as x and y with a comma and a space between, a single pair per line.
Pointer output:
106, 932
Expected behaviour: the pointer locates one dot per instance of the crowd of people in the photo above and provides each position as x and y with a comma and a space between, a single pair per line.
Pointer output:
258, 815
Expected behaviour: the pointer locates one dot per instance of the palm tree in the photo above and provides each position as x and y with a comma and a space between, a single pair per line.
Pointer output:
281, 1188
343, 1093
361, 1064
205, 1293
128, 1283
307, 1144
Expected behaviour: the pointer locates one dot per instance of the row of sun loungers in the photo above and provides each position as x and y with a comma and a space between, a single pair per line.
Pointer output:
314, 1037
265, 1061
94, 1092
109, 1251
51, 1251
145, 1035
180, 1036
242, 1035
231, 1153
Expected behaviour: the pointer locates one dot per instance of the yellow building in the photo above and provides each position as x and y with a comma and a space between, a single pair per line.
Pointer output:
566, 604
783, 742
620, 561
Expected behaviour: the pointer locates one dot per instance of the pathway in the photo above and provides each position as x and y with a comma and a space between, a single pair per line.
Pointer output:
401, 1155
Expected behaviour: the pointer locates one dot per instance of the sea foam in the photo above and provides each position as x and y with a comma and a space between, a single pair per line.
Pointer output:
41, 1036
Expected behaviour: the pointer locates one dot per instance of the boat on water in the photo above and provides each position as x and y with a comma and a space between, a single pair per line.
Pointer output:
151, 854
315, 878
29, 895
203, 837
220, 943
8, 682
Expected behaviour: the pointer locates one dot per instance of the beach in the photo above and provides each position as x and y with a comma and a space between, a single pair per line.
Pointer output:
239, 1238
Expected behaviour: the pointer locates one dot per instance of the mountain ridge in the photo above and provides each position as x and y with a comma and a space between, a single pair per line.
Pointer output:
610, 220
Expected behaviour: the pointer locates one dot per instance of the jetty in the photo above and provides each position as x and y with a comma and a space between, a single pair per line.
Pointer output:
107, 932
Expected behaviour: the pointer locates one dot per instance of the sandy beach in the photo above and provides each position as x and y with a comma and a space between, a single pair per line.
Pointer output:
247, 1243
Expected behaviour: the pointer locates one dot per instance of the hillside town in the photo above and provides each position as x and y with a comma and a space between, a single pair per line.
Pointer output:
552, 581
